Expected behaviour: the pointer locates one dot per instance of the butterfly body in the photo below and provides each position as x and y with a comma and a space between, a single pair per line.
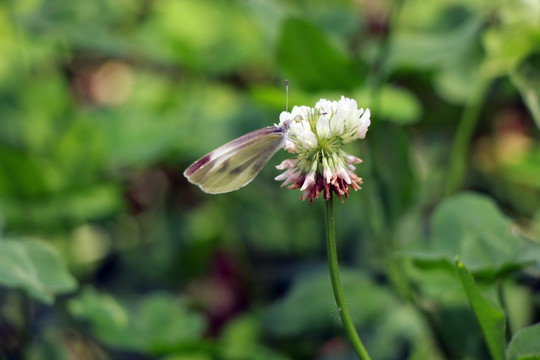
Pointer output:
235, 164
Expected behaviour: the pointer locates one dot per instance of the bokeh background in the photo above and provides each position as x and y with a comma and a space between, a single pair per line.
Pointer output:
107, 252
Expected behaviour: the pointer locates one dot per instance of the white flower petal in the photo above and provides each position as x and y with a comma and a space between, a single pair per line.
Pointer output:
323, 129
301, 132
363, 124
289, 146
342, 173
286, 164
310, 180
284, 117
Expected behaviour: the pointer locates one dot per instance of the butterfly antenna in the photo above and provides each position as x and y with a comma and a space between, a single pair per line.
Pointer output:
286, 95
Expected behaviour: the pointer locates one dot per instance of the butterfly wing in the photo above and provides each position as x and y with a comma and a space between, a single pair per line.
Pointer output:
235, 164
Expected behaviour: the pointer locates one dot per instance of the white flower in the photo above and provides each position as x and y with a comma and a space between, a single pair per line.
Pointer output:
315, 135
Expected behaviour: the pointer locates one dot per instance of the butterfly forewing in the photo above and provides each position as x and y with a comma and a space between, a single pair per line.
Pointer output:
236, 163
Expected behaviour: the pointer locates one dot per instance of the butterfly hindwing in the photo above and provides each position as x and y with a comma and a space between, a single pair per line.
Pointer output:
236, 163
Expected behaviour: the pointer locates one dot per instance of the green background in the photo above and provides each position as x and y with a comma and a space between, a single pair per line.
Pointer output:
107, 252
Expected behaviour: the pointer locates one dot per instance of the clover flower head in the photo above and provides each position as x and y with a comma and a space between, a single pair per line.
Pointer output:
315, 135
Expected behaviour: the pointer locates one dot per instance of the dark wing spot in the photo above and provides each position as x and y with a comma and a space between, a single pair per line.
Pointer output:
224, 166
236, 170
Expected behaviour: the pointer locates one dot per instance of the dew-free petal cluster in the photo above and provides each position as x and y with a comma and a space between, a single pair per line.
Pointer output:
315, 135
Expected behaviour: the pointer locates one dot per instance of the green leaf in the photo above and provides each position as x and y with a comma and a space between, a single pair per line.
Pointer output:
526, 78
399, 105
23, 175
491, 320
394, 104
71, 206
312, 61
205, 35
453, 52
34, 267
524, 344
107, 318
514, 39
433, 50
453, 83
513, 49
166, 322
160, 322
471, 226
310, 304
240, 340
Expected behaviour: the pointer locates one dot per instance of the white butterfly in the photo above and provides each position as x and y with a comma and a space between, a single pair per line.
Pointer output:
235, 164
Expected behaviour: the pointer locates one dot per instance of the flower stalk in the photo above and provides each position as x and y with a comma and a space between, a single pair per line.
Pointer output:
336, 283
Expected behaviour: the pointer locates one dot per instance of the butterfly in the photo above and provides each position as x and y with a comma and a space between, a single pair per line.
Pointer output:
235, 164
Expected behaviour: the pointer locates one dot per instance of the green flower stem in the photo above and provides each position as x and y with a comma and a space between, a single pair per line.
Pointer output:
460, 148
336, 283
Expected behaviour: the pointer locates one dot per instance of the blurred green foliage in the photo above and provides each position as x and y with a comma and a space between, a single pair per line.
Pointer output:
107, 252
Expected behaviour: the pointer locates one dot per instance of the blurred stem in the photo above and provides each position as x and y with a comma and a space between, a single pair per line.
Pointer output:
502, 300
336, 283
26, 315
382, 230
378, 72
460, 148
